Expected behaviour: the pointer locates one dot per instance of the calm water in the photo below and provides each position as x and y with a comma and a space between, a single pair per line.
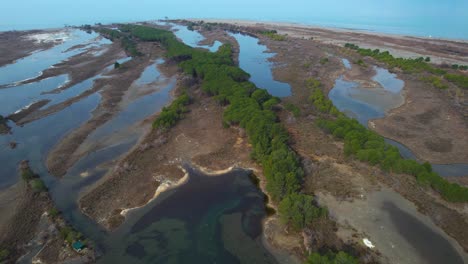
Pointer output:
419, 17
209, 219
201, 221
365, 104
253, 59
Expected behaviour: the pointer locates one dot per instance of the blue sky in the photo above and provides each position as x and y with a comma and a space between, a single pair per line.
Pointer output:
401, 13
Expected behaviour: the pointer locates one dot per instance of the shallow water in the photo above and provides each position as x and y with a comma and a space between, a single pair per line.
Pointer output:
194, 223
253, 58
365, 104
35, 139
32, 65
396, 228
14, 98
193, 38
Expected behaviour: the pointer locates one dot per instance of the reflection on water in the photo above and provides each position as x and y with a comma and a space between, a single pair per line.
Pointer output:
14, 98
365, 104
253, 59
193, 38
150, 74
197, 223
36, 138
32, 65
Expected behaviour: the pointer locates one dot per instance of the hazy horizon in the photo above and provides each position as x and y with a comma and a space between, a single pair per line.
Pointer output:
421, 18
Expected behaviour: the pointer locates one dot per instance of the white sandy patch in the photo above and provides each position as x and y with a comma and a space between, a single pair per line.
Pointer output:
368, 243
60, 36
163, 186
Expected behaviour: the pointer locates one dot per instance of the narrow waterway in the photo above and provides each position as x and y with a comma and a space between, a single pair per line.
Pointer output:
254, 59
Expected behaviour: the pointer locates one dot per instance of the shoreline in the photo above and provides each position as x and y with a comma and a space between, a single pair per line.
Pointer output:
248, 22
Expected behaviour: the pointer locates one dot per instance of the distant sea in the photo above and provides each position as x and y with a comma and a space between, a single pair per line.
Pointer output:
423, 18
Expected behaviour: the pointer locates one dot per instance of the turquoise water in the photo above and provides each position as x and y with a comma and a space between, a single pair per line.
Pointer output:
435, 18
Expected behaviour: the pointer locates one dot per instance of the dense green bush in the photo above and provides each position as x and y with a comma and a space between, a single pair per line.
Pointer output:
408, 65
38, 185
247, 106
273, 34
324, 61
299, 210
318, 98
70, 235
27, 174
174, 112
416, 65
435, 81
458, 79
368, 146
296, 111
331, 258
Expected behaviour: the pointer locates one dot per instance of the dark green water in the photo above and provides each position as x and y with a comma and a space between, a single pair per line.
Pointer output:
209, 219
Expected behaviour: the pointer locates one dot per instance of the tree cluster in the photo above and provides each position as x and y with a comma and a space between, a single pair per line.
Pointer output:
368, 146
415, 65
331, 258
248, 107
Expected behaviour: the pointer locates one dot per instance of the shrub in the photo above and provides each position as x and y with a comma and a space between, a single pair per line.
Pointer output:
299, 210
27, 174
54, 212
4, 253
331, 258
296, 111
38, 185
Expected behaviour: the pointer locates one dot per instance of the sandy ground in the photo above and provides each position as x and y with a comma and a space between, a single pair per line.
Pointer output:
428, 124
198, 138
81, 66
440, 51
112, 90
29, 232
328, 170
19, 44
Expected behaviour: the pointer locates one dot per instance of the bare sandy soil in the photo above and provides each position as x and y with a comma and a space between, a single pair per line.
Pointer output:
29, 232
18, 44
440, 51
112, 90
198, 138
428, 124
327, 170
